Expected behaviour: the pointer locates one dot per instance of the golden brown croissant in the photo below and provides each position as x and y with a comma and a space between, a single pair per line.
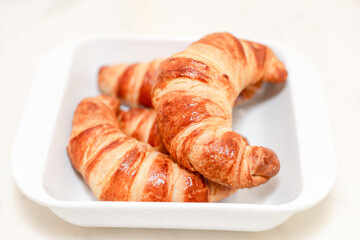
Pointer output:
140, 123
130, 83
133, 83
193, 96
119, 168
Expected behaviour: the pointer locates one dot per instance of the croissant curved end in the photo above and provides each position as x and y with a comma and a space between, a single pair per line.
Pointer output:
276, 72
263, 164
105, 82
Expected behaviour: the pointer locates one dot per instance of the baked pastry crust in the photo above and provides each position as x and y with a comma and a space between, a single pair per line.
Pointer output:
194, 95
119, 168
140, 123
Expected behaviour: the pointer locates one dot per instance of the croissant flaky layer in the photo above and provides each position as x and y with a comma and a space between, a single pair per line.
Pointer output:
193, 96
133, 83
140, 123
119, 168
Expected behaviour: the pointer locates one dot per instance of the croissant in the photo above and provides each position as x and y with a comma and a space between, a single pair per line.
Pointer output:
119, 168
193, 95
140, 123
133, 83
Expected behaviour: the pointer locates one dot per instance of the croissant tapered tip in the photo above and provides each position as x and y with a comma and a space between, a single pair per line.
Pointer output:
102, 69
276, 72
263, 164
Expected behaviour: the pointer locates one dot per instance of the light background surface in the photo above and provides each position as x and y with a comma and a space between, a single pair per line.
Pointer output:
327, 32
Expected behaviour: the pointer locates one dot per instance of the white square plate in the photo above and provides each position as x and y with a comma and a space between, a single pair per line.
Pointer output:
293, 123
